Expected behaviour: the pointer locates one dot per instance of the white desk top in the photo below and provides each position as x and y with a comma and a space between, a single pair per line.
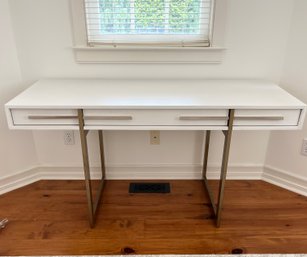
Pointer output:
154, 94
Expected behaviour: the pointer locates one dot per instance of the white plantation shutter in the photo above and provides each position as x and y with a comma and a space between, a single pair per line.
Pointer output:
149, 22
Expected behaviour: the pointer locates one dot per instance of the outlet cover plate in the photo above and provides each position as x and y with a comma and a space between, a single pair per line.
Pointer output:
154, 137
69, 137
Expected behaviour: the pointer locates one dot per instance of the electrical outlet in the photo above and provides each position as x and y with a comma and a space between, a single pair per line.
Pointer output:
69, 137
154, 137
304, 147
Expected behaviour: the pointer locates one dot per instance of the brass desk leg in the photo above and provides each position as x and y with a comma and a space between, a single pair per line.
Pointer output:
103, 169
92, 204
228, 133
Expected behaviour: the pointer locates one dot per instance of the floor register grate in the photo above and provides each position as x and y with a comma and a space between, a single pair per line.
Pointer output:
161, 188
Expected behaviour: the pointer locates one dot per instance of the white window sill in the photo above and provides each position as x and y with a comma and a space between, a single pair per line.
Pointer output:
126, 54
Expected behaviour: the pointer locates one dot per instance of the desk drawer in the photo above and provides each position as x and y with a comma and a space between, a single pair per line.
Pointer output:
267, 117
44, 117
155, 117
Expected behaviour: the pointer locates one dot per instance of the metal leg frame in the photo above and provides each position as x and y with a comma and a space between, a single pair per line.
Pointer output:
93, 204
217, 208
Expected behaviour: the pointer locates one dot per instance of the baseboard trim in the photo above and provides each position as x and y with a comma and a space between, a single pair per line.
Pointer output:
285, 180
267, 173
124, 171
19, 179
149, 171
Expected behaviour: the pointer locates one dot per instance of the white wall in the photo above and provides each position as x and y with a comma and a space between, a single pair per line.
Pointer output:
256, 37
17, 152
284, 147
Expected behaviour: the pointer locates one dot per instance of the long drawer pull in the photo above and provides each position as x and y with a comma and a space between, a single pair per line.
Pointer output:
52, 117
203, 118
259, 118
116, 117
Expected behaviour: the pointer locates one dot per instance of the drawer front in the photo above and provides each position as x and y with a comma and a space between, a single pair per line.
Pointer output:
155, 117
44, 117
267, 117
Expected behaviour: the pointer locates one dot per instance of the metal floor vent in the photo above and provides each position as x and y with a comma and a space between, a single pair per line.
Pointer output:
161, 188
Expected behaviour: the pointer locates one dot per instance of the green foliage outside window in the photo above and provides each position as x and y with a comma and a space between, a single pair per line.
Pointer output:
115, 16
150, 16
184, 16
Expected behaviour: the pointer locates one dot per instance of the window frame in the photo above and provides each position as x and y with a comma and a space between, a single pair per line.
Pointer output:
142, 53
166, 40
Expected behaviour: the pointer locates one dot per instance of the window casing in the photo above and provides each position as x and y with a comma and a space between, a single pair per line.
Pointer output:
177, 23
148, 53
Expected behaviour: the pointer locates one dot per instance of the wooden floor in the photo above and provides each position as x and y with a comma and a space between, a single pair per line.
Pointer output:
50, 218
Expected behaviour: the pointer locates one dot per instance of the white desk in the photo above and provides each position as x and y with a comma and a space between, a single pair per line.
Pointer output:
224, 105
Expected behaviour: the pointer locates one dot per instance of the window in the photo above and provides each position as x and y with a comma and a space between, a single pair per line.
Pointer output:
149, 22
148, 31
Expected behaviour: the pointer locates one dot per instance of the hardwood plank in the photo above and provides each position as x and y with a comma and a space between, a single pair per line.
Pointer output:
50, 218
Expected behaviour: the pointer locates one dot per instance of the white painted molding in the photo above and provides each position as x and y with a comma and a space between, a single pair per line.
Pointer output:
284, 179
19, 179
123, 171
269, 174
142, 55
152, 171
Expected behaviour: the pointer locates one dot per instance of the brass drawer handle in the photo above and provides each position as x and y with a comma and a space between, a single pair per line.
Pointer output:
116, 117
203, 118
259, 118
51, 117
